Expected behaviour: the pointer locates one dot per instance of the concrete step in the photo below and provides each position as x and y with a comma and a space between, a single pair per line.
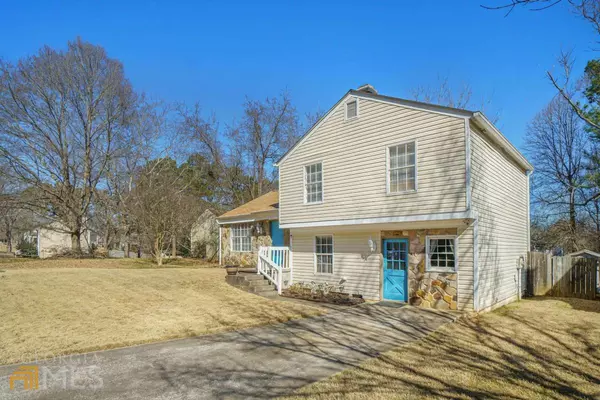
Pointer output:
260, 289
251, 277
252, 282
255, 283
247, 270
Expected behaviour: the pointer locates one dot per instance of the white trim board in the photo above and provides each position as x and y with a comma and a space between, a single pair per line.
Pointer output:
380, 220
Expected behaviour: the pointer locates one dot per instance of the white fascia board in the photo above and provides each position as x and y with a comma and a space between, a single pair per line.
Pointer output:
468, 162
242, 219
380, 220
492, 132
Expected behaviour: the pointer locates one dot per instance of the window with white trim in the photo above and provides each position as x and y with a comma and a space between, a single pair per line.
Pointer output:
241, 238
324, 254
441, 253
352, 109
313, 183
402, 168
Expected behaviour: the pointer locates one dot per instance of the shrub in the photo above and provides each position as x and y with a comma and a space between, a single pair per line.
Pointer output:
27, 249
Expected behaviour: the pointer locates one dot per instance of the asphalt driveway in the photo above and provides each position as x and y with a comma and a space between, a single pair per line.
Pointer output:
261, 362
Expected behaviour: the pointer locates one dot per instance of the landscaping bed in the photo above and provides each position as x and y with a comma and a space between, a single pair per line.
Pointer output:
320, 295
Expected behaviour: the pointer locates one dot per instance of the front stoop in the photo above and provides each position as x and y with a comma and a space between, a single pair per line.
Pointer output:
248, 280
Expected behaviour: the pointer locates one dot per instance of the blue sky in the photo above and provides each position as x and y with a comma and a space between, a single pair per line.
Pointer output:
217, 53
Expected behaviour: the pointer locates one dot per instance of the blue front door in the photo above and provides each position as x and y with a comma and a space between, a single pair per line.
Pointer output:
276, 234
395, 269
276, 240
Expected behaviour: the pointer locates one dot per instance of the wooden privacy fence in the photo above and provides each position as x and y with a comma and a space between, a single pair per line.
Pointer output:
561, 276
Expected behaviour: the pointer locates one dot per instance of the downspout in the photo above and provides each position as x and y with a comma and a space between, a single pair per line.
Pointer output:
220, 239
475, 223
528, 213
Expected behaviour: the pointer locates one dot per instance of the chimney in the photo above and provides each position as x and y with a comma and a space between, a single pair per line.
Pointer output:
367, 89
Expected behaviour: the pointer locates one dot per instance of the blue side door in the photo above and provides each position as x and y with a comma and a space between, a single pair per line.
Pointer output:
276, 239
276, 234
395, 269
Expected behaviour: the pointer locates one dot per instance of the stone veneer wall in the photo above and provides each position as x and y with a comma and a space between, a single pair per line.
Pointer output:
248, 259
427, 289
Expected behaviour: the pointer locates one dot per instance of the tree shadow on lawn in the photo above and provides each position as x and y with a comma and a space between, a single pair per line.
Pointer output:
514, 353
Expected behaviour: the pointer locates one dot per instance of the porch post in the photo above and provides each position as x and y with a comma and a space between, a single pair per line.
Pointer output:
291, 260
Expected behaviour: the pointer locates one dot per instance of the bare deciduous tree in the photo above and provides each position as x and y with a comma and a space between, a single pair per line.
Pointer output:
157, 204
444, 94
268, 128
62, 114
556, 144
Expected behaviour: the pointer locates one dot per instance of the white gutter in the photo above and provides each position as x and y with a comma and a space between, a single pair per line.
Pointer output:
380, 220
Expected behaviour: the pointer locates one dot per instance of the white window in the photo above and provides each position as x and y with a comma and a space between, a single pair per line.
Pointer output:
313, 183
402, 168
241, 238
324, 254
352, 109
441, 253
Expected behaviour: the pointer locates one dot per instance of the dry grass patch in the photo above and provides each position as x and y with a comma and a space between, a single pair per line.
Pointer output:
20, 263
48, 312
537, 349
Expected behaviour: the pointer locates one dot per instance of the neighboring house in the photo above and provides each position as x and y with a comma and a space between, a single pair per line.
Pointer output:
52, 240
204, 236
406, 201
245, 229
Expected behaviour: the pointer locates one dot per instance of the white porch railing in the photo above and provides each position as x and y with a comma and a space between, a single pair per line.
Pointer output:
274, 263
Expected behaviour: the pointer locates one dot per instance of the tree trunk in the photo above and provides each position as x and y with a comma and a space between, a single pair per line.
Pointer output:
158, 251
173, 246
572, 212
76, 242
127, 247
107, 238
9, 247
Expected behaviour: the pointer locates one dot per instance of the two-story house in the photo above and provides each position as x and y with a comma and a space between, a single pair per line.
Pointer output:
404, 201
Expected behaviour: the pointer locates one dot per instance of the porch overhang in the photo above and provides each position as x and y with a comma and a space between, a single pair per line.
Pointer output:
455, 219
271, 215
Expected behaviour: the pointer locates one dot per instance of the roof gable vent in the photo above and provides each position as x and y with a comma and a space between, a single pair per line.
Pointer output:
367, 89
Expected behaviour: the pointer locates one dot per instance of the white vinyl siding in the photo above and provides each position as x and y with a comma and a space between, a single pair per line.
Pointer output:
500, 198
362, 274
402, 168
324, 254
313, 183
353, 157
241, 238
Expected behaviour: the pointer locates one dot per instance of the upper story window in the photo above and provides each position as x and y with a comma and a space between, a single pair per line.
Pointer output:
352, 109
313, 183
441, 253
241, 238
402, 168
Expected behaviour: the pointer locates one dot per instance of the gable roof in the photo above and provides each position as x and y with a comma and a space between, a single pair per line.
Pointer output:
478, 117
266, 202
